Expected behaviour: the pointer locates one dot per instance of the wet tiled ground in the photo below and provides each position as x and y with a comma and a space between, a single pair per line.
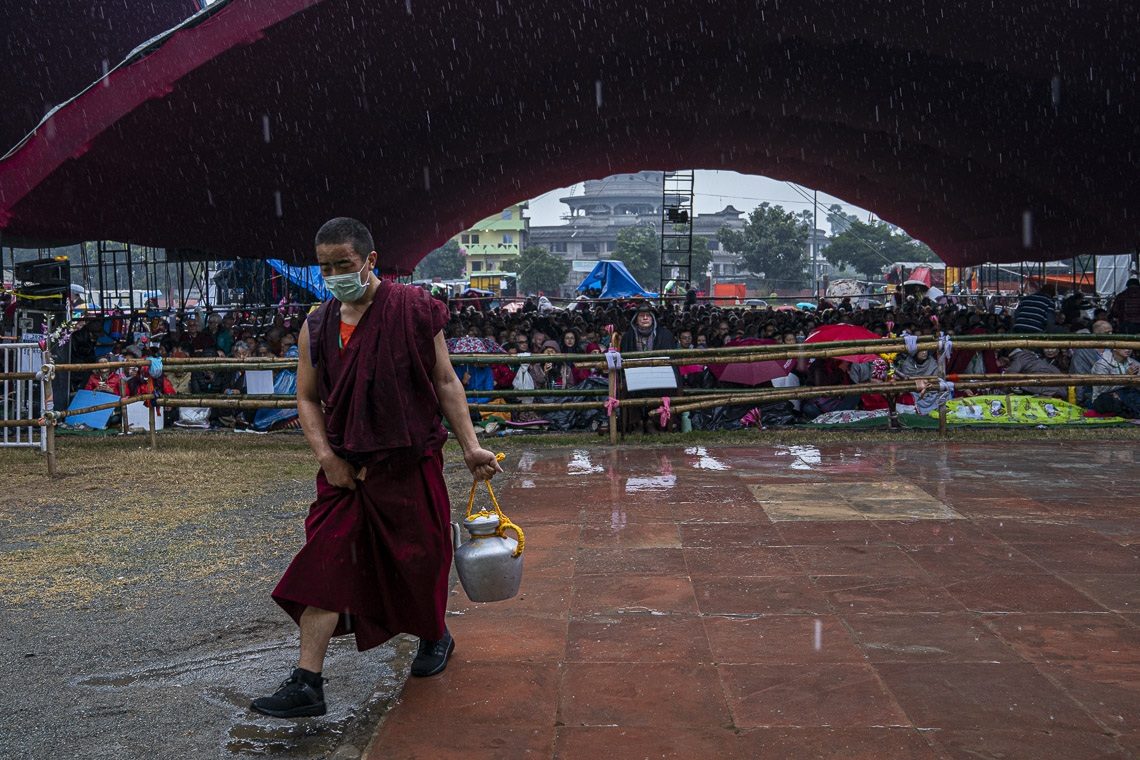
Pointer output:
879, 601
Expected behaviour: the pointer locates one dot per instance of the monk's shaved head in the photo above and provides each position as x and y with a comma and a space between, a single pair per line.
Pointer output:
344, 230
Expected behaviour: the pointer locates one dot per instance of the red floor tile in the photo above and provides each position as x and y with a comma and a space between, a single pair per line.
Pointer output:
614, 562
1021, 593
508, 637
1052, 745
547, 562
460, 739
1007, 508
833, 744
1041, 531
812, 532
933, 532
833, 695
942, 637
538, 595
752, 595
603, 594
729, 535
479, 693
638, 743
759, 560
637, 638
1119, 593
976, 696
860, 594
651, 694
948, 563
1084, 558
780, 639
849, 559
733, 666
1064, 638
1110, 693
637, 535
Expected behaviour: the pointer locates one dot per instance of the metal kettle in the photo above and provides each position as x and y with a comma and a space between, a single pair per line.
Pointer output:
490, 563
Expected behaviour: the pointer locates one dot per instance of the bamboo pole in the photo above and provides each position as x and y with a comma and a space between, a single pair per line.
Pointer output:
551, 392
234, 402
615, 416
153, 409
52, 464
48, 394
898, 386
122, 402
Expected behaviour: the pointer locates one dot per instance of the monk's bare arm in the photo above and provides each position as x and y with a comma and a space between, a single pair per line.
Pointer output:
337, 471
453, 404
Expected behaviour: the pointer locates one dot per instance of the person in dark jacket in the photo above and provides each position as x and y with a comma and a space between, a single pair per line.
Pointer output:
644, 334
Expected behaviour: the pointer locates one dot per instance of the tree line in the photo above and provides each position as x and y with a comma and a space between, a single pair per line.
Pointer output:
773, 245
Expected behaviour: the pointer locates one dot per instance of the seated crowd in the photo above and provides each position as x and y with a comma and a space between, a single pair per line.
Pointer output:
587, 328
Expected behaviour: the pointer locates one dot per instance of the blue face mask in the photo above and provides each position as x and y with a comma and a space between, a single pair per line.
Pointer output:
347, 288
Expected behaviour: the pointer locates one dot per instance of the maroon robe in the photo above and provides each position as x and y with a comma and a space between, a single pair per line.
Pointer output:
379, 555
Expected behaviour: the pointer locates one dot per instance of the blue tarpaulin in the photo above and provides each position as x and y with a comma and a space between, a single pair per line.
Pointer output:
308, 277
614, 281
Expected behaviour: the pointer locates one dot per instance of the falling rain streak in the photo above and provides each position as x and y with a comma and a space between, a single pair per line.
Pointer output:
1027, 229
265, 128
277, 203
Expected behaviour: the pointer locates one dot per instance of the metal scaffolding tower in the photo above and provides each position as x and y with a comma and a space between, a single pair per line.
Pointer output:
677, 214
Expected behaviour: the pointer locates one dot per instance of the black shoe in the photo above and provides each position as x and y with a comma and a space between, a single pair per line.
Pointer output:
432, 657
297, 698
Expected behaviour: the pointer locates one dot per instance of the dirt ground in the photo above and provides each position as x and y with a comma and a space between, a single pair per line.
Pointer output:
134, 597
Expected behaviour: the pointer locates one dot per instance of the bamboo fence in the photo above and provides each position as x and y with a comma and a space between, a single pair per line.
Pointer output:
680, 400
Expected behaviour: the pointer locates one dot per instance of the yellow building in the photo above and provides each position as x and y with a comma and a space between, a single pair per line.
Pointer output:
492, 246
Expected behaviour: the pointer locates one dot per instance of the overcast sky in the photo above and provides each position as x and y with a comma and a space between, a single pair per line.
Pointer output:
714, 190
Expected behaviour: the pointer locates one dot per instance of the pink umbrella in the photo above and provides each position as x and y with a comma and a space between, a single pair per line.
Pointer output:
833, 333
750, 373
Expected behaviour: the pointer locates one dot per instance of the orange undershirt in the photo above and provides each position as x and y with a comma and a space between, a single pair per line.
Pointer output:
346, 331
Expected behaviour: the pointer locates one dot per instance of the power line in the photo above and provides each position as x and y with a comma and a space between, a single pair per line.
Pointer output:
869, 247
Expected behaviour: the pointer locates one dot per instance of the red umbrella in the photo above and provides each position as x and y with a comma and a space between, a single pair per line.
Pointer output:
750, 373
833, 333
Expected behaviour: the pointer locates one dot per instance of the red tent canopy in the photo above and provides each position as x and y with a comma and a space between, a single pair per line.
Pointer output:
52, 49
994, 131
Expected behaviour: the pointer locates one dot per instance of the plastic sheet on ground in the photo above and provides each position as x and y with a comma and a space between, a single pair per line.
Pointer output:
1019, 410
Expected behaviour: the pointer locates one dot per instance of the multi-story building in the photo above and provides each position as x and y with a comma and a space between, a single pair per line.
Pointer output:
608, 206
492, 245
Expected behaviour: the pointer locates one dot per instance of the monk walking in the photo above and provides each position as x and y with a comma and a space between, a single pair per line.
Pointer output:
373, 380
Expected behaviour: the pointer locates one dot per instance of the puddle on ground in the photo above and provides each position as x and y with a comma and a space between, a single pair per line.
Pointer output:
580, 463
705, 461
805, 457
650, 483
222, 684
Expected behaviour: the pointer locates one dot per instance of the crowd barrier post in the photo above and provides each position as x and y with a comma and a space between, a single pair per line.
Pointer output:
153, 424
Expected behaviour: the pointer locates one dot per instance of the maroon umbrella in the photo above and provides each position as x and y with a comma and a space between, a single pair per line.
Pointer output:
750, 373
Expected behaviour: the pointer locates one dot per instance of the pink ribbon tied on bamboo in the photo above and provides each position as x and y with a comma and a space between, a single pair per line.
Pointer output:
665, 413
611, 404
752, 418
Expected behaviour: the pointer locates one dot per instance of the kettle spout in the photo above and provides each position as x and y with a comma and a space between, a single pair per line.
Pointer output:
456, 538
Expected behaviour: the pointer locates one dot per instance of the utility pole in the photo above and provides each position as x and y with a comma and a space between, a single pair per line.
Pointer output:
814, 244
